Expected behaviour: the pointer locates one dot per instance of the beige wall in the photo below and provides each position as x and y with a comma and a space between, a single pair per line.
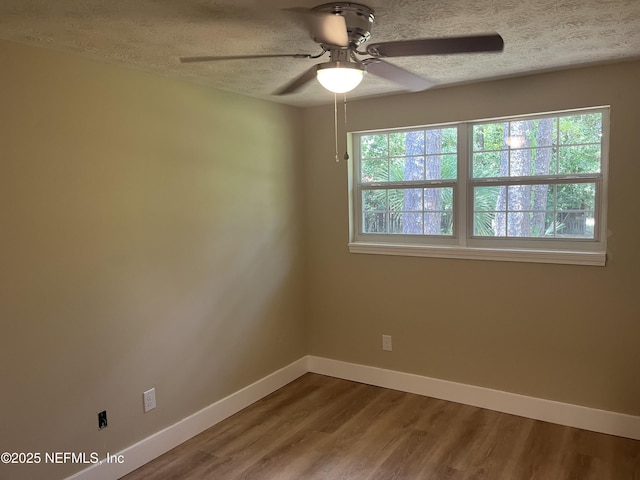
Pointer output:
561, 332
150, 236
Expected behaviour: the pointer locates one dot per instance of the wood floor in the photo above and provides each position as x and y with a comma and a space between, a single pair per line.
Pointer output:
324, 428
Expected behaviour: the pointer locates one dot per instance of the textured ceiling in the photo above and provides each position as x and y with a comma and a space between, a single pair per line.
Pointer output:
152, 34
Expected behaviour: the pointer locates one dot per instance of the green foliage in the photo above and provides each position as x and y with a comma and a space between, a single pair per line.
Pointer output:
484, 201
403, 156
374, 146
415, 155
486, 164
580, 129
546, 146
562, 145
573, 143
576, 196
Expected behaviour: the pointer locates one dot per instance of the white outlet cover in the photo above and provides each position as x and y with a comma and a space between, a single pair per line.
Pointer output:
149, 398
386, 343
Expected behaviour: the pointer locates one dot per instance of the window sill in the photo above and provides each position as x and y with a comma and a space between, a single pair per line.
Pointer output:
502, 255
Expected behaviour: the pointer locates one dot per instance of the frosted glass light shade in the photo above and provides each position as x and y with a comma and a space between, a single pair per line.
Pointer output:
340, 77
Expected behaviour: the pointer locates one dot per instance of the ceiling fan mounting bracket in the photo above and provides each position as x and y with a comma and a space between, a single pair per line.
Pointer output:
359, 19
343, 54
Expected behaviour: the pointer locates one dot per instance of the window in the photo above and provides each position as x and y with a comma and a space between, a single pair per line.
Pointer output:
528, 188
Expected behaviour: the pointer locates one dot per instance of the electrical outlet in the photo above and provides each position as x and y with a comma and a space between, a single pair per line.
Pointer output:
386, 343
102, 420
149, 398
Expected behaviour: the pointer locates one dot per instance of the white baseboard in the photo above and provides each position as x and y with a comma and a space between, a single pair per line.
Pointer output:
151, 447
586, 418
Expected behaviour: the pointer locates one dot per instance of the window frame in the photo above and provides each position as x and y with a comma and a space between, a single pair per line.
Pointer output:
462, 243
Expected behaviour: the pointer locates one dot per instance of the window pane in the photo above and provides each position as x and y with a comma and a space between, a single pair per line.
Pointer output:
405, 199
439, 167
518, 224
488, 136
374, 146
487, 221
579, 159
374, 215
522, 148
530, 211
374, 171
407, 223
550, 225
521, 133
519, 197
542, 197
374, 222
486, 198
374, 211
438, 199
576, 129
542, 224
406, 143
575, 224
450, 140
532, 161
520, 163
443, 140
406, 160
534, 198
530, 224
407, 168
576, 196
545, 132
374, 200
449, 167
438, 223
438, 207
575, 216
486, 164
485, 224
545, 161
409, 211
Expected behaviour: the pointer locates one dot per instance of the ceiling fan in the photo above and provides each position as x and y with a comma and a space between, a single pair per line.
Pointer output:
341, 28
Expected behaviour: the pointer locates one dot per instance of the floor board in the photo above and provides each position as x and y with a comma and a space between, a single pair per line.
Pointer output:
320, 427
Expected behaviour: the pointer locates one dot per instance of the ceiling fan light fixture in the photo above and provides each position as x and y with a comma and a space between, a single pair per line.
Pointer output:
340, 77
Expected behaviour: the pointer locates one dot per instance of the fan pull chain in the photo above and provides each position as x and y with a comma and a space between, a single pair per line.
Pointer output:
346, 154
335, 122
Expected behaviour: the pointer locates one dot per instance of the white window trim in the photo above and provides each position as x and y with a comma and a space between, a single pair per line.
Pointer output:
462, 246
596, 259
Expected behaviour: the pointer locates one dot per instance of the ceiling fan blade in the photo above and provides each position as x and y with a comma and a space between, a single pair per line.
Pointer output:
388, 71
299, 82
438, 46
325, 28
328, 29
240, 57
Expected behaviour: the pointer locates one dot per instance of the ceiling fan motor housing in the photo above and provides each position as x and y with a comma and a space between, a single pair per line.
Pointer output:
359, 19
